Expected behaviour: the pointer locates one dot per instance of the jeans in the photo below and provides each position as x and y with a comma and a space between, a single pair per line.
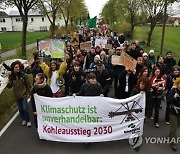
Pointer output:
156, 104
23, 109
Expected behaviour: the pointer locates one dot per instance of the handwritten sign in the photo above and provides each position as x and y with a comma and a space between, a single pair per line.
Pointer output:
124, 59
85, 46
108, 46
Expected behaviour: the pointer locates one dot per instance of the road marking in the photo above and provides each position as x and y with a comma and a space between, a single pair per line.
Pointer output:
8, 124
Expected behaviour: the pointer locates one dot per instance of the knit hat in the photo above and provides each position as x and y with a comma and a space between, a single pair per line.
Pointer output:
151, 51
144, 54
97, 56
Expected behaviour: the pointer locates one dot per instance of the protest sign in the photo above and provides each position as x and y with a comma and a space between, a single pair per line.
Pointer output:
85, 46
74, 39
4, 73
86, 119
101, 42
44, 47
57, 48
108, 46
124, 59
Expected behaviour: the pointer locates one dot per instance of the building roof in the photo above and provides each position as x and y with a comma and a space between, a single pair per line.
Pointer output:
3, 14
30, 13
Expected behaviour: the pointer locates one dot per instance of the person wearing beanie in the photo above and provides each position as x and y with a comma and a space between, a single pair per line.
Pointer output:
152, 58
20, 83
146, 61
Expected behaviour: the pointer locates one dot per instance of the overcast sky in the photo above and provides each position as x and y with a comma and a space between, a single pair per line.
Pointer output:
95, 6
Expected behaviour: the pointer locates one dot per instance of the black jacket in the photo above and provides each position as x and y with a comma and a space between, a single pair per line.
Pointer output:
174, 102
122, 84
169, 63
104, 79
90, 90
76, 84
45, 91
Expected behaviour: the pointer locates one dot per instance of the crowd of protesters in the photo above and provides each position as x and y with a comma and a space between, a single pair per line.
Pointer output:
91, 73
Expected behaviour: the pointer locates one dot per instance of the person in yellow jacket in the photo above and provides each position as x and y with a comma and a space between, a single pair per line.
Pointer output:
55, 74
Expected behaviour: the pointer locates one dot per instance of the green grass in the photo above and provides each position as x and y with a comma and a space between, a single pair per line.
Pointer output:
12, 40
171, 41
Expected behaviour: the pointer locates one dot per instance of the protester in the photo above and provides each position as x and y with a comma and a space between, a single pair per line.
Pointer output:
174, 101
53, 73
169, 62
152, 58
117, 71
143, 85
77, 78
158, 84
20, 83
170, 81
40, 88
127, 82
103, 77
91, 87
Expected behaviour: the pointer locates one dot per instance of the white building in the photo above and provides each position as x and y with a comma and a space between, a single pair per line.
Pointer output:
36, 22
5, 22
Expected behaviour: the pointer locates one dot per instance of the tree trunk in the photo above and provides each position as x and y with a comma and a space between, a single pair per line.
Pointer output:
23, 41
132, 31
53, 25
149, 39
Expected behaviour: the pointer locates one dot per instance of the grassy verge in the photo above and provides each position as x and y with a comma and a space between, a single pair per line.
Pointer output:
171, 41
7, 101
12, 40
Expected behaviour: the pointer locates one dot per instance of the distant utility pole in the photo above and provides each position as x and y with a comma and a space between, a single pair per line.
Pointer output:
164, 26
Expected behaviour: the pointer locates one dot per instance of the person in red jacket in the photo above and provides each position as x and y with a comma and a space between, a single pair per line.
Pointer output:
158, 84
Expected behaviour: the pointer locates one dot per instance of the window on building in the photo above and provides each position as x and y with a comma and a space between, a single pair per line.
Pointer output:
43, 28
18, 19
42, 18
2, 20
3, 29
32, 19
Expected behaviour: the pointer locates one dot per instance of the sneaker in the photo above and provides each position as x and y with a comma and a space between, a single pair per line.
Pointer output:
28, 124
173, 147
156, 125
167, 123
24, 123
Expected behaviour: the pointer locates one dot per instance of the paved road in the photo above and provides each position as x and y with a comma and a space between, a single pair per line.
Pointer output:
13, 52
22, 140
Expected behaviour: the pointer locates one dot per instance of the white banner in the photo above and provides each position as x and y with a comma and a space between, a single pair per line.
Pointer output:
101, 42
4, 73
89, 119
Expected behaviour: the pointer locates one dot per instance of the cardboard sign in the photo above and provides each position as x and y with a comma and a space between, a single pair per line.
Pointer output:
85, 46
108, 46
124, 59
74, 39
